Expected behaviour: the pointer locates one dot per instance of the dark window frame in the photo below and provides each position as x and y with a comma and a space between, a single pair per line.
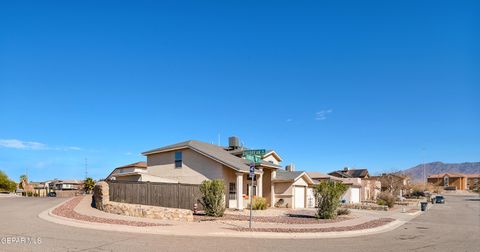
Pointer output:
178, 159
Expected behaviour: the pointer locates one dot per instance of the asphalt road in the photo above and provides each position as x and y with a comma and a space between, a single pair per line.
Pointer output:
454, 226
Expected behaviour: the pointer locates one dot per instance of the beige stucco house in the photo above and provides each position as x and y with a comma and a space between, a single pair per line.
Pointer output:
192, 162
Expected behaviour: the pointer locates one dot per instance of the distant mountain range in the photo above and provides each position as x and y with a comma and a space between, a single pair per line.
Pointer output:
416, 173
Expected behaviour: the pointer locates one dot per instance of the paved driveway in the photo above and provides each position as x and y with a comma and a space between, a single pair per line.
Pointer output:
454, 226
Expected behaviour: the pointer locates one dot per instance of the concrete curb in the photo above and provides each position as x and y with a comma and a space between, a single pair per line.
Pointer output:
49, 216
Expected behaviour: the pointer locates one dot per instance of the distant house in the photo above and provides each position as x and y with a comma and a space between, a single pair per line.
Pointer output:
294, 188
395, 183
473, 182
136, 172
65, 185
353, 193
369, 188
455, 181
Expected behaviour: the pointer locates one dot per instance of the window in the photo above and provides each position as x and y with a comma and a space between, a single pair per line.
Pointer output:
232, 191
254, 190
178, 159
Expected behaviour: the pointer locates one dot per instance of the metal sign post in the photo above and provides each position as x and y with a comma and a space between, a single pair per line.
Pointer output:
255, 156
252, 178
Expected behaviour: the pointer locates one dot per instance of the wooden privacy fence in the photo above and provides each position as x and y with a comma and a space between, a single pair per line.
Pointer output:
182, 196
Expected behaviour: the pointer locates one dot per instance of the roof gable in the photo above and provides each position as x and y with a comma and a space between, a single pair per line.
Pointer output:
274, 154
212, 151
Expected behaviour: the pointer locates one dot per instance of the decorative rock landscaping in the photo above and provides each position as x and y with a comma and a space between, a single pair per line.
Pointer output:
67, 210
366, 225
292, 219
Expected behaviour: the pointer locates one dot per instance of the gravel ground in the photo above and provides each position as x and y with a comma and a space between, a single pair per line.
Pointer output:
293, 219
67, 210
366, 225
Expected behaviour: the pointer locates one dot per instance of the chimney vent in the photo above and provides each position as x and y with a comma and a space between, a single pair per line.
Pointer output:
290, 168
233, 142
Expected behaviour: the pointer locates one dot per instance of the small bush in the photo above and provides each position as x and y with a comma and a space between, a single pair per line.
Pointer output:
213, 197
385, 198
328, 195
343, 211
259, 203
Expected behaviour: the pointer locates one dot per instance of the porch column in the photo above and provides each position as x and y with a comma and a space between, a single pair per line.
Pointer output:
272, 190
260, 183
239, 184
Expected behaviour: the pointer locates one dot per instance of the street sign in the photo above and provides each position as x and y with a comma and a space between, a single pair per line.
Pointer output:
254, 155
252, 170
260, 152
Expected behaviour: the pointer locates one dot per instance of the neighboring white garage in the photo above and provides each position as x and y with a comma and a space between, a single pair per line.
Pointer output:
291, 189
310, 198
352, 195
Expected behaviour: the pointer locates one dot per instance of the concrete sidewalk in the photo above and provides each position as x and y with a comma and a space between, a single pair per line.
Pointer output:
221, 228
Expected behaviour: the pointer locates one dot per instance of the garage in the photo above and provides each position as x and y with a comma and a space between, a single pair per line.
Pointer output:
299, 197
310, 198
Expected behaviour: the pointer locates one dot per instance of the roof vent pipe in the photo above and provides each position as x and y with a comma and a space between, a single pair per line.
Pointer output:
290, 168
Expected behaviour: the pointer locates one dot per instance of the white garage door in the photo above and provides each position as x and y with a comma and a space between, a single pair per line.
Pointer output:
355, 197
299, 197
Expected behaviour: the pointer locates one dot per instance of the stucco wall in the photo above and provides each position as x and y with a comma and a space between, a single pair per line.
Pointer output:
272, 159
267, 188
195, 168
128, 178
284, 190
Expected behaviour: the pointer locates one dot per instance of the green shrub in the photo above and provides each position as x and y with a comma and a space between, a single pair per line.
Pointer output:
6, 184
213, 197
328, 195
385, 198
259, 203
381, 202
343, 211
88, 185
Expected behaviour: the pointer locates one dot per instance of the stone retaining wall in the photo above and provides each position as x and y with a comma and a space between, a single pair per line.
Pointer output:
102, 202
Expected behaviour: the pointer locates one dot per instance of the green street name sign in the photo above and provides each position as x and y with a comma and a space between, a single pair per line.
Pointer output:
254, 155
254, 152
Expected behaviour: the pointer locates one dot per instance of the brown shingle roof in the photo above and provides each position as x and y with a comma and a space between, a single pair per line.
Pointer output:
350, 173
212, 151
136, 165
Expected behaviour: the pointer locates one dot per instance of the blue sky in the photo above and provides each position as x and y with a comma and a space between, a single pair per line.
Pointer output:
327, 84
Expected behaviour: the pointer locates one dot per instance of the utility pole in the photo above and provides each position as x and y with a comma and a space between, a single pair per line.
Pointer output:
424, 172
